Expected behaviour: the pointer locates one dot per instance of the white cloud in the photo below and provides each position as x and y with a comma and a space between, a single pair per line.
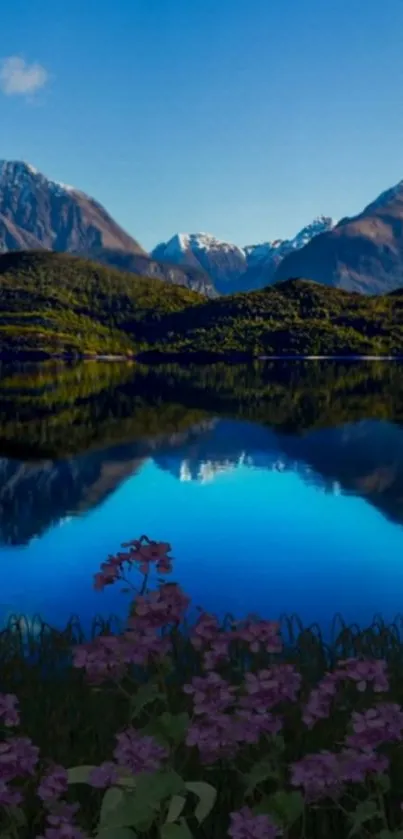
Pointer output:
18, 78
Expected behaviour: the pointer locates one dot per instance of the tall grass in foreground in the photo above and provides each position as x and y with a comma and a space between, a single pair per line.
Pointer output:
161, 728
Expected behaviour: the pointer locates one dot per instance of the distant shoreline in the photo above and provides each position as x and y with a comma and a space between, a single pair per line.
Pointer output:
154, 357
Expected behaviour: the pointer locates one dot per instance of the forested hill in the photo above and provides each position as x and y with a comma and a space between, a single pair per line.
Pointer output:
57, 303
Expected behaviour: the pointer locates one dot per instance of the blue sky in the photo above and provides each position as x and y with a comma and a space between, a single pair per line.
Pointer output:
243, 118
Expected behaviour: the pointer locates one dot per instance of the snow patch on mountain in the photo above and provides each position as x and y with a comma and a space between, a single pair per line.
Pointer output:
19, 173
227, 263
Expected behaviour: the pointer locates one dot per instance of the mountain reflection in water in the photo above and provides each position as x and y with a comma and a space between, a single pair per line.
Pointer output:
279, 485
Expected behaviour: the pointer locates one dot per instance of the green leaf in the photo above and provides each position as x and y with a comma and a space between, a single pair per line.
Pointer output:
79, 774
179, 830
159, 786
145, 695
132, 811
129, 781
390, 834
18, 816
207, 796
112, 799
285, 807
175, 726
383, 782
364, 811
262, 770
175, 808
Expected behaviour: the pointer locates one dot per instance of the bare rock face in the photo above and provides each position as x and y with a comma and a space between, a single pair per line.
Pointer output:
58, 217
363, 253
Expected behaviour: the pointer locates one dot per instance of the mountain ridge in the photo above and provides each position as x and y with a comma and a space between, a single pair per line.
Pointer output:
362, 253
231, 267
39, 213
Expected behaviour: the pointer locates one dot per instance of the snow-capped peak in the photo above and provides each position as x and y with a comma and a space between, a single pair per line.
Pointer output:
20, 173
198, 242
195, 243
227, 263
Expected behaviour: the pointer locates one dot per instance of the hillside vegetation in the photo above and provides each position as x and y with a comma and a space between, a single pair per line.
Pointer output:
56, 303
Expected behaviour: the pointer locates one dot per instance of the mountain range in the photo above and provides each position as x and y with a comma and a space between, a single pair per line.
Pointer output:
363, 253
232, 268
37, 213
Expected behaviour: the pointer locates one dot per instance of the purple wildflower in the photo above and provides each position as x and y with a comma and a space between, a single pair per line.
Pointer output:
260, 634
18, 756
159, 608
104, 775
245, 825
205, 630
60, 824
9, 713
324, 773
269, 687
53, 785
250, 725
356, 765
320, 700
138, 753
211, 693
214, 737
318, 775
364, 671
383, 724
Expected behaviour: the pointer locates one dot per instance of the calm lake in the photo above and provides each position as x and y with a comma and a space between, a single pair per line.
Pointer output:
279, 485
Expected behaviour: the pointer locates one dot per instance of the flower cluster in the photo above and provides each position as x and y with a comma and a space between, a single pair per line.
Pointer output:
245, 825
60, 823
361, 672
383, 724
142, 552
260, 635
156, 609
228, 716
18, 755
225, 717
267, 688
324, 773
257, 635
138, 753
212, 694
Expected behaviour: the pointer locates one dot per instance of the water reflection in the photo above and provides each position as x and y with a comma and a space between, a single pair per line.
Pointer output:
279, 486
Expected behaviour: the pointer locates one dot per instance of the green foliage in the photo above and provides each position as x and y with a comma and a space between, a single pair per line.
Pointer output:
57, 304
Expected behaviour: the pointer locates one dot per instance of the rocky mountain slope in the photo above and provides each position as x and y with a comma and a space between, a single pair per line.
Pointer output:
38, 213
363, 253
233, 268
